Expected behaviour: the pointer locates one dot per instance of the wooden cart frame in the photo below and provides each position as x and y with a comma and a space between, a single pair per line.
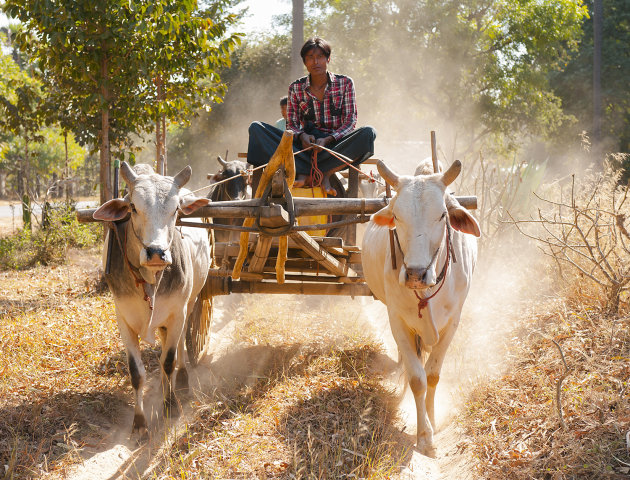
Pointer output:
329, 265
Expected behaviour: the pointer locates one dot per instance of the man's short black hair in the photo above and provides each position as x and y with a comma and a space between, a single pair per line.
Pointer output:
284, 100
315, 42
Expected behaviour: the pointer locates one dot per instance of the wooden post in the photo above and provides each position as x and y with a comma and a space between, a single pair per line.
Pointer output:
353, 192
436, 166
110, 241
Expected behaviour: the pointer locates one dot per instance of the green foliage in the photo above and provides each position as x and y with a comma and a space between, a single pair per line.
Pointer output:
48, 246
475, 68
257, 77
574, 84
113, 68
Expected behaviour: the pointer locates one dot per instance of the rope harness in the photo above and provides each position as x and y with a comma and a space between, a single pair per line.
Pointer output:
137, 277
314, 169
423, 302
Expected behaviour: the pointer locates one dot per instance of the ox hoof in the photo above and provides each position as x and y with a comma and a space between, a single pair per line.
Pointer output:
181, 383
426, 448
171, 408
140, 426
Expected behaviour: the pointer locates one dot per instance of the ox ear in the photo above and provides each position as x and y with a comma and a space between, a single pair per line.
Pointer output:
112, 210
384, 217
183, 176
190, 203
461, 219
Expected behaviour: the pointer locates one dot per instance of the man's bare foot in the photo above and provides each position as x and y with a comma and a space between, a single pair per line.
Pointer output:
300, 181
327, 187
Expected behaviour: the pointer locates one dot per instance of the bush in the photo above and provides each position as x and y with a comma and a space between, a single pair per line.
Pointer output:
48, 245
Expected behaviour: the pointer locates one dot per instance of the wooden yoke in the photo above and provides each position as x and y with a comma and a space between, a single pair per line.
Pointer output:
283, 156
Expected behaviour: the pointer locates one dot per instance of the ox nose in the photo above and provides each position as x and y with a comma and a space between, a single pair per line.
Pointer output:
416, 277
156, 255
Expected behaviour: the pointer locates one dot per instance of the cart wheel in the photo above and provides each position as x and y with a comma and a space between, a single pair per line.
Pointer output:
198, 330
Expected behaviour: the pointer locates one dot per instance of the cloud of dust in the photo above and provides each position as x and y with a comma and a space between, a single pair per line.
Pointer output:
506, 279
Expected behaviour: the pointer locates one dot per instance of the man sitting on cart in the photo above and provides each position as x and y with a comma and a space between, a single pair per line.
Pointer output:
322, 111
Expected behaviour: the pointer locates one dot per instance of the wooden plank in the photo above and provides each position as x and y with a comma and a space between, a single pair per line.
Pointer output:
259, 258
273, 216
303, 206
302, 288
317, 252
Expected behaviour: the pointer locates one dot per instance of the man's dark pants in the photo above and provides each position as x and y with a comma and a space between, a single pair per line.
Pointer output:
264, 140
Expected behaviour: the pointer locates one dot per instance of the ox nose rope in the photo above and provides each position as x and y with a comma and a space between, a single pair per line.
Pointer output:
423, 302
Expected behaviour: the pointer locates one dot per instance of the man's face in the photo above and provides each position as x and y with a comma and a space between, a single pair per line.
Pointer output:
315, 61
283, 109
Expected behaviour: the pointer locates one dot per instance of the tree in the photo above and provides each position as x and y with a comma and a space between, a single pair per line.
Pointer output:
476, 71
88, 47
185, 48
574, 84
21, 99
117, 66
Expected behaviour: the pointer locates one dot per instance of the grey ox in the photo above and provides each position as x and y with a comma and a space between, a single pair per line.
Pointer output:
156, 273
425, 293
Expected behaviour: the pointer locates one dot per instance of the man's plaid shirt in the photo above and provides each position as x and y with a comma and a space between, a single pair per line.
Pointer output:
335, 115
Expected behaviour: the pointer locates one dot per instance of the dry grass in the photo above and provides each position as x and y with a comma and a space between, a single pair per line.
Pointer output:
298, 391
513, 423
294, 395
62, 370
310, 408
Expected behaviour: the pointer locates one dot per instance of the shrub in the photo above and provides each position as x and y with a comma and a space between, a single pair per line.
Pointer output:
47, 245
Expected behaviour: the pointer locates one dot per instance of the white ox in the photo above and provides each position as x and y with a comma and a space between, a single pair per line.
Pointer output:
156, 273
422, 213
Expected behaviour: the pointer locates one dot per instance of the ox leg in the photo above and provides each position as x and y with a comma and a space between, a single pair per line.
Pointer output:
433, 366
406, 342
181, 379
137, 374
170, 340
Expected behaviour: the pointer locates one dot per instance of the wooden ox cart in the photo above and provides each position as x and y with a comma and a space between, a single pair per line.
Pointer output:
276, 254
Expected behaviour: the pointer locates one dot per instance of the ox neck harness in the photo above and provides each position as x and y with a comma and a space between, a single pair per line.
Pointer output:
135, 272
450, 254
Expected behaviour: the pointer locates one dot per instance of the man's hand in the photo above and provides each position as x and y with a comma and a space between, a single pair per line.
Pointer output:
325, 141
306, 139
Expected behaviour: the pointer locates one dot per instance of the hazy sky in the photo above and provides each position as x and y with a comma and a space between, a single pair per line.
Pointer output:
261, 11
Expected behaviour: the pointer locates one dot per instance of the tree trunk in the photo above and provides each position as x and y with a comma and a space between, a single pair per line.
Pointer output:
105, 177
598, 11
297, 67
164, 156
3, 184
67, 184
25, 175
160, 131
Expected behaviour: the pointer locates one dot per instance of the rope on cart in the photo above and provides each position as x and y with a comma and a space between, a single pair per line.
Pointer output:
250, 171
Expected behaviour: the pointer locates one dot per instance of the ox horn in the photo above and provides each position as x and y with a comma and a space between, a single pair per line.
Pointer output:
221, 161
451, 174
128, 175
389, 176
183, 176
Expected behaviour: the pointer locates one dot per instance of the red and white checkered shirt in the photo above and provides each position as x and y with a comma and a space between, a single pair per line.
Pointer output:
335, 115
